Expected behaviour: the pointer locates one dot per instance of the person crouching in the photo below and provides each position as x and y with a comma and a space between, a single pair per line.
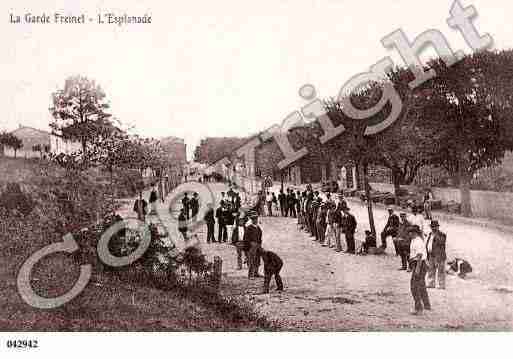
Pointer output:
272, 267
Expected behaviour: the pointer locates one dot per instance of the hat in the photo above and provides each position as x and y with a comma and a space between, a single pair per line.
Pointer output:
390, 209
435, 224
402, 214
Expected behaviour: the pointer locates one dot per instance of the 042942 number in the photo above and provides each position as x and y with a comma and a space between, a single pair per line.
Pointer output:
22, 344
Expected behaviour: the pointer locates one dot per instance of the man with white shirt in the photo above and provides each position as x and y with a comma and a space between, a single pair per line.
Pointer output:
436, 255
269, 202
418, 257
416, 219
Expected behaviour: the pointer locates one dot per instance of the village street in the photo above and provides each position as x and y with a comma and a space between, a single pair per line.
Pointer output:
325, 290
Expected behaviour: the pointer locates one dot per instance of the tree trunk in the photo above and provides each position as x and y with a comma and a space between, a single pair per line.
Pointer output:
396, 179
369, 199
464, 184
466, 208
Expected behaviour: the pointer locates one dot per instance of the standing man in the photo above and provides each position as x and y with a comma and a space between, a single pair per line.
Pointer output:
222, 231
428, 198
338, 225
283, 200
349, 230
272, 267
390, 228
182, 224
291, 204
141, 207
210, 221
237, 239
194, 205
153, 200
436, 256
269, 203
330, 225
185, 204
403, 241
253, 240
417, 219
418, 256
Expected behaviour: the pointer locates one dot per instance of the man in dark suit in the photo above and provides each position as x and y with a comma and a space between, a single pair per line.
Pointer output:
390, 228
436, 256
194, 205
349, 229
272, 267
185, 204
253, 242
210, 221
222, 233
282, 198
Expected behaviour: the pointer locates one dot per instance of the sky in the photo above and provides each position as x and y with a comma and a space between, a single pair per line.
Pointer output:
211, 68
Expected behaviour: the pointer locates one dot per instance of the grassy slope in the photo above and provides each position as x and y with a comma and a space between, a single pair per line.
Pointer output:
109, 303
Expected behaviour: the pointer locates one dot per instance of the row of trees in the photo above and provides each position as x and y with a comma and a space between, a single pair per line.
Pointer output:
10, 140
460, 120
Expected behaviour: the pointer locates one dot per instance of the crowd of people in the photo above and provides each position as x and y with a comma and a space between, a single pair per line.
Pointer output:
325, 217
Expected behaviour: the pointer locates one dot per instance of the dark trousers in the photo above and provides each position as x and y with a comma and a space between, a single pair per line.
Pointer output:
405, 255
350, 242
418, 286
292, 211
269, 209
385, 234
222, 235
210, 232
277, 278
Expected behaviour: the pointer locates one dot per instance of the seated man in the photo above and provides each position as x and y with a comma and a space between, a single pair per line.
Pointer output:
370, 242
460, 267
272, 266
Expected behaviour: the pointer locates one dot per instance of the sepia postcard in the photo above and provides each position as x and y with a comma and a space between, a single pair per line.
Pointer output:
271, 173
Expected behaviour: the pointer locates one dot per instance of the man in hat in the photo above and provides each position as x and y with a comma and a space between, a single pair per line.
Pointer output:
418, 257
194, 205
237, 238
349, 229
210, 221
253, 242
390, 228
436, 255
222, 233
403, 240
186, 205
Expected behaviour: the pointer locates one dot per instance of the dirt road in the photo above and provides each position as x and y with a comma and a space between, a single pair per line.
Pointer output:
326, 290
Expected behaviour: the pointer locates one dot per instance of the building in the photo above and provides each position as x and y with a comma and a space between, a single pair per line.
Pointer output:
30, 137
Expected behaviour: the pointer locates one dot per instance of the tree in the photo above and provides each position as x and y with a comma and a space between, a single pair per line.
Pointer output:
10, 140
406, 145
470, 104
354, 144
212, 149
79, 111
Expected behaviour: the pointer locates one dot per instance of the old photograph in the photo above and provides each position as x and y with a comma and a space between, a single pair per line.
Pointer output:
272, 166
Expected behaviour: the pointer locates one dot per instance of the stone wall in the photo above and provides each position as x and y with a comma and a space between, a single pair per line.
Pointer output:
488, 204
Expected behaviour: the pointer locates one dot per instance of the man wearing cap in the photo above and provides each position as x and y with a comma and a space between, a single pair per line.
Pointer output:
436, 255
253, 242
390, 228
418, 256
